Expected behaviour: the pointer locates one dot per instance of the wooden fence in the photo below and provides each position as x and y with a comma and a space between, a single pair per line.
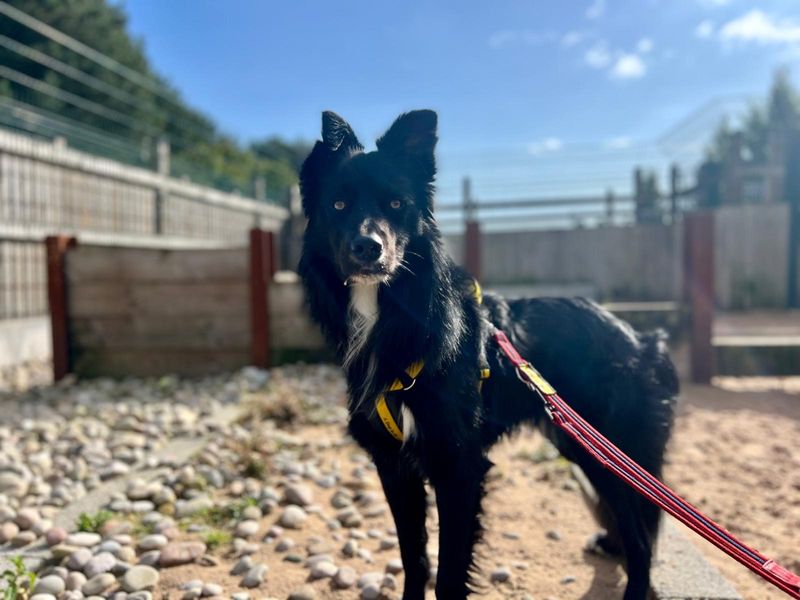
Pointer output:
48, 188
119, 311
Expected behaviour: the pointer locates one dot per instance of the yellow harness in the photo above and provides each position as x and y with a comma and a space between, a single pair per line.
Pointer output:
410, 376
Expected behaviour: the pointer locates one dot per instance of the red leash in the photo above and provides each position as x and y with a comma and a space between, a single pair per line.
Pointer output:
643, 482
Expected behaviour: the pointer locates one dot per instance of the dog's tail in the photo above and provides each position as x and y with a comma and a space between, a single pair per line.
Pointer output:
661, 377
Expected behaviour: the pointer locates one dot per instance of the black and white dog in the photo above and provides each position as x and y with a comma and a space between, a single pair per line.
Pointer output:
387, 296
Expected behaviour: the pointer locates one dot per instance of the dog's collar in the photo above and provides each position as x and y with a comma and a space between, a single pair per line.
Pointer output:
387, 412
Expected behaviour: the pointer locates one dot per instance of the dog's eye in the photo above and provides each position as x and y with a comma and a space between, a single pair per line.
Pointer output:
339, 205
395, 203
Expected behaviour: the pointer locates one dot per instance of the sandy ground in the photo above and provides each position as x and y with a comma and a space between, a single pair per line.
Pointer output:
529, 504
736, 454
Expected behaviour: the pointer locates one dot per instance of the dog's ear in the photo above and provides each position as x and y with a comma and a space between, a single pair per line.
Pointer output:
412, 137
337, 133
338, 141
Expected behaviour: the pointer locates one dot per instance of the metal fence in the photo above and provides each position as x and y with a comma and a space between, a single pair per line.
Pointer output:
47, 187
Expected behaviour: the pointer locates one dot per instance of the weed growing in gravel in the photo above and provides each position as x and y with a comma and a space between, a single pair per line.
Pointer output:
92, 522
16, 580
216, 538
220, 516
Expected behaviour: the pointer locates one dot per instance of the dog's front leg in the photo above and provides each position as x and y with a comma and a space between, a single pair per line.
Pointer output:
405, 492
459, 491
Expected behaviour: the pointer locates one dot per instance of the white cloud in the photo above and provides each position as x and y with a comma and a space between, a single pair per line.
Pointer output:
758, 27
704, 29
618, 143
596, 9
644, 45
573, 38
545, 146
628, 66
598, 56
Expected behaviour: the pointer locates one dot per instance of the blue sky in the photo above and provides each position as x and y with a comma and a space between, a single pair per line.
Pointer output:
516, 84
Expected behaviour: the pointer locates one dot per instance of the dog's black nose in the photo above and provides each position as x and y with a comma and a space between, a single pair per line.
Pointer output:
366, 249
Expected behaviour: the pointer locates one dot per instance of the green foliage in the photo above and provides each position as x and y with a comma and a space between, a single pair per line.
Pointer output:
19, 580
780, 114
216, 538
221, 516
125, 119
92, 522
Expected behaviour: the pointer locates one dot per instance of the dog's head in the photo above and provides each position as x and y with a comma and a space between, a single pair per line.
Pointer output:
364, 208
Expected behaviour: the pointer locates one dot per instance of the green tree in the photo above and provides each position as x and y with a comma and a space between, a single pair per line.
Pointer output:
780, 114
108, 111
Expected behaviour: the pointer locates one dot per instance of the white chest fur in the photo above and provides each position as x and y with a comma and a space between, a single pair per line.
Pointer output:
363, 314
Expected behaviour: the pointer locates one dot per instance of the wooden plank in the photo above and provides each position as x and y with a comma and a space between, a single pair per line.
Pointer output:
152, 363
290, 325
92, 264
57, 296
107, 299
161, 332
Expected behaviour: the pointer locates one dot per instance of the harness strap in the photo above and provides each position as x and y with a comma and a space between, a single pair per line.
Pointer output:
406, 380
624, 467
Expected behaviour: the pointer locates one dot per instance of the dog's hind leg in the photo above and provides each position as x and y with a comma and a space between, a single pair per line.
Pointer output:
631, 521
459, 491
405, 492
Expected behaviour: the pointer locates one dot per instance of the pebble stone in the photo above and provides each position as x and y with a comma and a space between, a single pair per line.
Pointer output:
140, 577
255, 576
51, 584
345, 578
500, 575
292, 517
306, 592
98, 584
323, 569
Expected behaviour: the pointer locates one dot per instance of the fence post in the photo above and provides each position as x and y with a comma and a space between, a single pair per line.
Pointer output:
674, 184
56, 248
698, 281
262, 269
793, 263
472, 232
610, 207
163, 168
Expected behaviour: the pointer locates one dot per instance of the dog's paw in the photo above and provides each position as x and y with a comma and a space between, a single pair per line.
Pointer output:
602, 544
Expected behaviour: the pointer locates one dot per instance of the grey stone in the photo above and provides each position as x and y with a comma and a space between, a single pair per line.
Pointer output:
78, 559
246, 529
323, 569
255, 576
306, 592
299, 494
140, 577
51, 584
500, 575
292, 517
99, 563
154, 541
394, 566
98, 584
181, 553
345, 578
84, 539
75, 580
243, 565
211, 589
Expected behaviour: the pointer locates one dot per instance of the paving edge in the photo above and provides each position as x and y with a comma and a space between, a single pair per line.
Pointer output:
680, 571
